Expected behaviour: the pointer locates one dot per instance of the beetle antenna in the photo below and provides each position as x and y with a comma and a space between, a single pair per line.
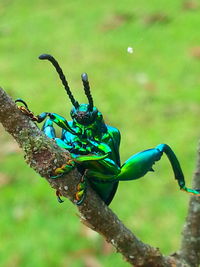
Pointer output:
62, 77
86, 85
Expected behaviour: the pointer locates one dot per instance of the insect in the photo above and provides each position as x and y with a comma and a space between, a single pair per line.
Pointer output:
94, 146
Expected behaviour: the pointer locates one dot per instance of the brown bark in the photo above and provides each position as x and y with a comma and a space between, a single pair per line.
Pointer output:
43, 155
190, 245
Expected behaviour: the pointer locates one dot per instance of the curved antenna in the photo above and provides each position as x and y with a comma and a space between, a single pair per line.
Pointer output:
62, 77
86, 85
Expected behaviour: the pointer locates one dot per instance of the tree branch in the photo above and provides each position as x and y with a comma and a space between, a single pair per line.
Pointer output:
43, 155
190, 245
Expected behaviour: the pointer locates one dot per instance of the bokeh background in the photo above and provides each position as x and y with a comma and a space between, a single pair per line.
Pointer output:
152, 95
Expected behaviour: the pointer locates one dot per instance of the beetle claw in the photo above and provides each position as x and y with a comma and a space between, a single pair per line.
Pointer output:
24, 109
58, 194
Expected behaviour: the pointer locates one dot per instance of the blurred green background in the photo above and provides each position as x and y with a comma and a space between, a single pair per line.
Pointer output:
151, 95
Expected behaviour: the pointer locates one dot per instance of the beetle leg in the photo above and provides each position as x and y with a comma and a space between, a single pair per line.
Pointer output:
48, 129
61, 122
58, 194
139, 164
81, 189
63, 144
97, 165
64, 169
87, 159
82, 186
24, 109
136, 167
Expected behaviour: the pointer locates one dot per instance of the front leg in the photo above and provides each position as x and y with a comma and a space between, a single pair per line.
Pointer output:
49, 131
59, 120
24, 109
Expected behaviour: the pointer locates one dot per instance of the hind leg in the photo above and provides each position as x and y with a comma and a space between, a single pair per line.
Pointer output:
139, 164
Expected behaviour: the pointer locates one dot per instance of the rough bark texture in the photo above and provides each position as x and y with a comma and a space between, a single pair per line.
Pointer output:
43, 155
190, 246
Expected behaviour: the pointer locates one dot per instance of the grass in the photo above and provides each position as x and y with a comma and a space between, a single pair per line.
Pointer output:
152, 96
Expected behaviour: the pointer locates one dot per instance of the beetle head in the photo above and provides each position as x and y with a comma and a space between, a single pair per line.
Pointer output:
84, 115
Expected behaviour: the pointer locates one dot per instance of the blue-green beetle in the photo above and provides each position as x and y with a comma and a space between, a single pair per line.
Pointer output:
94, 147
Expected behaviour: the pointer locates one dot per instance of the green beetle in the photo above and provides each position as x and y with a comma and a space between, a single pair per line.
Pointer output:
94, 147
